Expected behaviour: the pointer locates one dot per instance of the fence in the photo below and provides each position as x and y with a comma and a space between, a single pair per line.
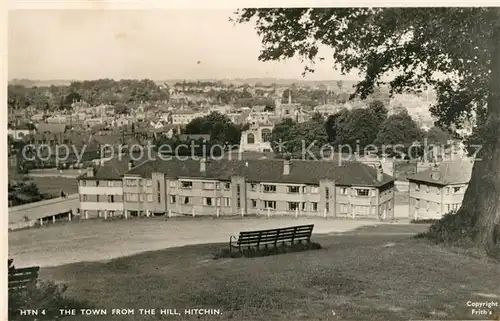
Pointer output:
207, 211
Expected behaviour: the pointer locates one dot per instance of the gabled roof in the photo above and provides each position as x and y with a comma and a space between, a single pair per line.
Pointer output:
114, 169
301, 172
450, 172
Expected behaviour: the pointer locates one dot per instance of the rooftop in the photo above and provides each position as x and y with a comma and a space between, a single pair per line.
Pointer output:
450, 173
267, 170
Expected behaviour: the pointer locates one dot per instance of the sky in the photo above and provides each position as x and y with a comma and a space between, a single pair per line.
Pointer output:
157, 44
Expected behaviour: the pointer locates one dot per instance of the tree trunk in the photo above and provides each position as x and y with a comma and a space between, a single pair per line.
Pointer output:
482, 198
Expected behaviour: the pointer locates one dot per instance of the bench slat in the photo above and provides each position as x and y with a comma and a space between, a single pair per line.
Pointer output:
274, 236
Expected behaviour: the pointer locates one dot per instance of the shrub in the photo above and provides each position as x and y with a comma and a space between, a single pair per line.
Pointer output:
46, 297
451, 228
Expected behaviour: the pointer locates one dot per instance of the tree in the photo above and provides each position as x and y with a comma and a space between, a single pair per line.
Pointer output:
121, 109
359, 127
379, 109
420, 45
334, 123
438, 136
220, 128
399, 129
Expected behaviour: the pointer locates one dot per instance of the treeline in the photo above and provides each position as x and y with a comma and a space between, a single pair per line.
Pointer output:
92, 92
359, 127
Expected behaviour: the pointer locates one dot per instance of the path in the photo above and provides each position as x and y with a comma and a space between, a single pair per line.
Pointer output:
96, 240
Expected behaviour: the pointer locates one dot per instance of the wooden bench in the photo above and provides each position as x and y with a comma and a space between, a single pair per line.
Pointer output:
19, 279
272, 237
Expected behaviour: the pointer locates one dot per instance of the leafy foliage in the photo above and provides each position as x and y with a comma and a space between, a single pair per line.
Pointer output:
398, 129
220, 128
94, 92
421, 44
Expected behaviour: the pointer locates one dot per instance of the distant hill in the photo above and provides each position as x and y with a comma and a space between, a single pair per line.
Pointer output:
40, 83
269, 81
235, 81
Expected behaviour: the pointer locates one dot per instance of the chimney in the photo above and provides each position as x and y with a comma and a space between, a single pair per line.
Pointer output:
203, 164
90, 171
130, 165
435, 172
287, 164
380, 173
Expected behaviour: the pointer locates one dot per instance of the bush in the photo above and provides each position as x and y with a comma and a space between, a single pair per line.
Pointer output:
254, 252
46, 297
451, 228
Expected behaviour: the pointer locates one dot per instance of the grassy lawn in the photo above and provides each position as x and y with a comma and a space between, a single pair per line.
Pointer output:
362, 275
54, 185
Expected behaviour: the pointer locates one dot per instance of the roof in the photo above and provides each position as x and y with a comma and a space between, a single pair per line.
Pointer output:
451, 172
113, 169
51, 128
268, 170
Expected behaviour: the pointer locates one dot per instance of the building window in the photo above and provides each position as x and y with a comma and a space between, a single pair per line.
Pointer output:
97, 198
172, 199
266, 135
303, 207
187, 200
270, 205
292, 206
110, 184
343, 191
132, 197
428, 188
227, 186
417, 187
417, 203
217, 186
185, 184
173, 184
253, 187
327, 207
314, 206
448, 189
327, 193
209, 186
427, 205
131, 182
362, 191
149, 182
254, 203
293, 189
141, 197
373, 193
150, 197
344, 208
82, 183
250, 139
227, 202
97, 183
207, 201
111, 198
456, 189
449, 207
84, 197
269, 188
